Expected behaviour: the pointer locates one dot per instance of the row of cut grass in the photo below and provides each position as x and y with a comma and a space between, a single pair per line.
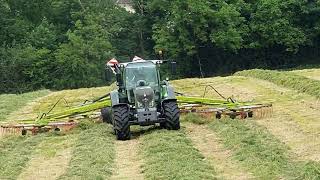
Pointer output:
93, 151
286, 79
12, 102
15, 152
92, 157
51, 157
70, 98
171, 155
309, 73
262, 153
93, 154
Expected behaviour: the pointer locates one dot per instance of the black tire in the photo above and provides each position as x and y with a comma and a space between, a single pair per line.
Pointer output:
218, 115
106, 114
121, 126
24, 132
233, 115
172, 115
162, 125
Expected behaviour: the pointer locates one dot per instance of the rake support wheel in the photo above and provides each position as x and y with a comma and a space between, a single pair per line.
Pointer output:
121, 126
172, 115
250, 114
218, 115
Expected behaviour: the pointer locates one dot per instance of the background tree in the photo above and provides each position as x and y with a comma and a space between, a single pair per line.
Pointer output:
60, 44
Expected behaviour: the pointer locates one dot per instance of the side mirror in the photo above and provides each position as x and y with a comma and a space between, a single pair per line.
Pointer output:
108, 75
173, 67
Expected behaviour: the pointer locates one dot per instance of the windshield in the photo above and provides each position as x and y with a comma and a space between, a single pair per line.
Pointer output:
138, 74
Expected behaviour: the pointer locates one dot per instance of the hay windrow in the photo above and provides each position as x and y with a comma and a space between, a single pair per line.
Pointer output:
287, 79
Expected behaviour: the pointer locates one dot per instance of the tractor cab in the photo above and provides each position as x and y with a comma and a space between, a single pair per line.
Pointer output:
139, 74
142, 85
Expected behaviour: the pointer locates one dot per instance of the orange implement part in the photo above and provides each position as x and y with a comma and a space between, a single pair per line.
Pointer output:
23, 129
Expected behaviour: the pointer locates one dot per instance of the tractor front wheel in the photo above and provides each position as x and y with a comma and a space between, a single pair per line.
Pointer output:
121, 126
172, 115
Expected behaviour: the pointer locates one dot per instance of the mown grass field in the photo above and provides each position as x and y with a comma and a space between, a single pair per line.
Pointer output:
283, 146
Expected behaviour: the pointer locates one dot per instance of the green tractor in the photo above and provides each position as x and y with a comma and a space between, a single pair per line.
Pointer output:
141, 99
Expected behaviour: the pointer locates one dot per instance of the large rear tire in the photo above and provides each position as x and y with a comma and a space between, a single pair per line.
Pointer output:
172, 115
121, 126
106, 114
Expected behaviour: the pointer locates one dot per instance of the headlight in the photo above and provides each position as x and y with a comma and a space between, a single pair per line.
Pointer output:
139, 104
151, 103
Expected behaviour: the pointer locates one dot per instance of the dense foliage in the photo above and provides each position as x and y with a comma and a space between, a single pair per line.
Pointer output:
222, 36
60, 44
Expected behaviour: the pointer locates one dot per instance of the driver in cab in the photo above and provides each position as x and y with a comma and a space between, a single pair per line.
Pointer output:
139, 78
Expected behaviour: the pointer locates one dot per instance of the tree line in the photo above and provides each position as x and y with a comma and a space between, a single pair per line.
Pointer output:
223, 36
59, 44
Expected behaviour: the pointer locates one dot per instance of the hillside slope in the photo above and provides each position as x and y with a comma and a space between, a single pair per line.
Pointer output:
284, 146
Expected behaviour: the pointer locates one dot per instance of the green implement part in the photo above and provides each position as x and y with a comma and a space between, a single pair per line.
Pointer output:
207, 105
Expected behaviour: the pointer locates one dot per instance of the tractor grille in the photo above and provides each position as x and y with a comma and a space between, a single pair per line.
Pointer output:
144, 97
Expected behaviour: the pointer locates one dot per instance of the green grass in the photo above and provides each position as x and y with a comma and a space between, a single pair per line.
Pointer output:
286, 79
92, 157
12, 102
195, 119
55, 142
15, 152
70, 98
309, 73
262, 153
93, 154
171, 155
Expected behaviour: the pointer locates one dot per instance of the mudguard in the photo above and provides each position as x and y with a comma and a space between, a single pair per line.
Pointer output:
170, 95
114, 95
170, 91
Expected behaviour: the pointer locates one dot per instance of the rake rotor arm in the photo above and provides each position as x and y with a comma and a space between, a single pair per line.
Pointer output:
206, 101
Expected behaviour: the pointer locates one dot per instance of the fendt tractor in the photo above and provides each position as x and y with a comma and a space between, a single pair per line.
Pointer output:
142, 98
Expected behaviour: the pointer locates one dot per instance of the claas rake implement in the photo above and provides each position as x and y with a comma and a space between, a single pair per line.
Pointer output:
69, 118
223, 108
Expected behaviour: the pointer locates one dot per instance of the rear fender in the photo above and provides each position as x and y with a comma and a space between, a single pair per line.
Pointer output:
114, 95
121, 104
169, 90
167, 100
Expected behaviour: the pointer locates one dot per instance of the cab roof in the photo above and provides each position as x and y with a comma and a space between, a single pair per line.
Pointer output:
146, 62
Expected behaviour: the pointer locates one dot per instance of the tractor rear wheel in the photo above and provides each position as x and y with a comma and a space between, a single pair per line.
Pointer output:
106, 114
121, 126
172, 115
